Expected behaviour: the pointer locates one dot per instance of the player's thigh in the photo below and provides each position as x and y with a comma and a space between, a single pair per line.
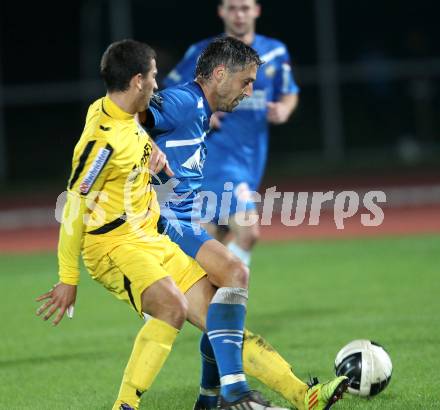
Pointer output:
189, 236
127, 270
199, 297
183, 269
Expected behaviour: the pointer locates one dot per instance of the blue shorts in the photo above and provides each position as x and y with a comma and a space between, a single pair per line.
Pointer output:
235, 198
189, 237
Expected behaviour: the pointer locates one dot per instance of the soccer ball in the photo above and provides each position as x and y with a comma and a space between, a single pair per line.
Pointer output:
367, 365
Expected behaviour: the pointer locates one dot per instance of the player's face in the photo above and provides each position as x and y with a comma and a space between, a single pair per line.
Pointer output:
234, 87
149, 85
239, 16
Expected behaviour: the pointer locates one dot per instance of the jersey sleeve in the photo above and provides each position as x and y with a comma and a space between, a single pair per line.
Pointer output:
169, 113
91, 167
185, 69
284, 81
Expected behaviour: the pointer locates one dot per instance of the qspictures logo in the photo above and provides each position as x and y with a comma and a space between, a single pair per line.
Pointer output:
202, 207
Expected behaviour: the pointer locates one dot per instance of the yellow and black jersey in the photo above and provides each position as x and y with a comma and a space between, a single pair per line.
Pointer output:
109, 190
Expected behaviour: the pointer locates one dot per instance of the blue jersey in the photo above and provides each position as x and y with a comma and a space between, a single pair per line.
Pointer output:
238, 151
181, 122
180, 128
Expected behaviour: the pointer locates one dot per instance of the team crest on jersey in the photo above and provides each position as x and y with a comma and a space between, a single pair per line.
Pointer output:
94, 170
270, 71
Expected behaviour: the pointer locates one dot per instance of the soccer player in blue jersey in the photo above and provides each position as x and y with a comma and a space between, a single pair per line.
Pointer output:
239, 143
179, 121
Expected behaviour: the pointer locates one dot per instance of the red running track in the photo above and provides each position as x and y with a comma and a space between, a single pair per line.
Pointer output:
398, 221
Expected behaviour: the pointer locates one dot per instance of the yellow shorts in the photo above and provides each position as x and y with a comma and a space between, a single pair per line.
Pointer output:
127, 268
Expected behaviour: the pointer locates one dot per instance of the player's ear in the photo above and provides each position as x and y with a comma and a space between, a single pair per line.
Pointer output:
221, 11
219, 73
137, 81
257, 10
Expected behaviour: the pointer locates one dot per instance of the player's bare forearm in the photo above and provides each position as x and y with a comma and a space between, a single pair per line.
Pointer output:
280, 111
290, 101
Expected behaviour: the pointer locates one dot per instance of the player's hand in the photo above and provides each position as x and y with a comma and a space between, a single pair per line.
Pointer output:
277, 112
60, 298
215, 121
159, 162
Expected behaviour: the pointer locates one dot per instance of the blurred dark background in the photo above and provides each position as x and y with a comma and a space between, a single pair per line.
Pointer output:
369, 74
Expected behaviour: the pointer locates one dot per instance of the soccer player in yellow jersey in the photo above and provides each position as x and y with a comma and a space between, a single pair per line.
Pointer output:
110, 217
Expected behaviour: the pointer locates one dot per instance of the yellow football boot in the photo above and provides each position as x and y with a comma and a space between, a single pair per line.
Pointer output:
322, 396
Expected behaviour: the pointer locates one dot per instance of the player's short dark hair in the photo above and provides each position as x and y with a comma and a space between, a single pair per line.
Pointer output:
227, 51
122, 61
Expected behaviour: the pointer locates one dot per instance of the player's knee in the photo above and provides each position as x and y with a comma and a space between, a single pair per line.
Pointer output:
178, 311
239, 273
169, 305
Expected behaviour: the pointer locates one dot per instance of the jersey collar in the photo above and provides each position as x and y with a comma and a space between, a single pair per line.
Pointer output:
199, 91
114, 111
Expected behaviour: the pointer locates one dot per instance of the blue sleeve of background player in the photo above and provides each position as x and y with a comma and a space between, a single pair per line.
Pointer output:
284, 80
185, 69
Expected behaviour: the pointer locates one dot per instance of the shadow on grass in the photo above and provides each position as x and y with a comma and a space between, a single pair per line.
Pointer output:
83, 356
294, 313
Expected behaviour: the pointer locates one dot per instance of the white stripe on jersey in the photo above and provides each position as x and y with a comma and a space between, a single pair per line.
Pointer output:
175, 76
279, 51
286, 78
183, 143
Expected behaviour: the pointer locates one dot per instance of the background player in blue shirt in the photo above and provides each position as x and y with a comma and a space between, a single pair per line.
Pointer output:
239, 143
179, 117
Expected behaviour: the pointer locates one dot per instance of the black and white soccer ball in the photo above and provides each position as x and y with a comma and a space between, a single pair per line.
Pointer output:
367, 365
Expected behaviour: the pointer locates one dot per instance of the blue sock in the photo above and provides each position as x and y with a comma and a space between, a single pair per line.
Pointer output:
210, 381
225, 324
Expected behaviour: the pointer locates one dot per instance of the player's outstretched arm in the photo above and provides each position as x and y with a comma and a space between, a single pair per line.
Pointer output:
59, 298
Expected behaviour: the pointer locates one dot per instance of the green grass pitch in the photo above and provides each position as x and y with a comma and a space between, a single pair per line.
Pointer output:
307, 298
